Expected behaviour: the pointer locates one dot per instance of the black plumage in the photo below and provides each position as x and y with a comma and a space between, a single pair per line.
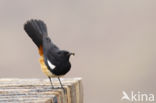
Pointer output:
56, 60
35, 30
59, 58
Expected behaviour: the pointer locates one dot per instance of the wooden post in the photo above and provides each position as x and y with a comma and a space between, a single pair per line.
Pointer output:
14, 90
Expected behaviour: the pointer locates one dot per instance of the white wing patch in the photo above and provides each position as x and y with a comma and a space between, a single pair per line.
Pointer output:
52, 66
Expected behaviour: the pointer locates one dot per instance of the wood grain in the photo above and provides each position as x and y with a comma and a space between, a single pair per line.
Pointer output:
15, 90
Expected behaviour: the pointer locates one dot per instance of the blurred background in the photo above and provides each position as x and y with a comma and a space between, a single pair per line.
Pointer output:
114, 42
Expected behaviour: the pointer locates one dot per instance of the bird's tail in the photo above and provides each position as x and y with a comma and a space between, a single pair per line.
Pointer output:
35, 30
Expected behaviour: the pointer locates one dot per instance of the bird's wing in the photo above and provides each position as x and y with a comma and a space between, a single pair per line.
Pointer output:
50, 51
51, 59
48, 45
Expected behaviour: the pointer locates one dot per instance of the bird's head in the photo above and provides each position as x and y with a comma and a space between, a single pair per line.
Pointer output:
66, 54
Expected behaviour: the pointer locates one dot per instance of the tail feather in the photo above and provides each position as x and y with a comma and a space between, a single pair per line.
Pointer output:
35, 30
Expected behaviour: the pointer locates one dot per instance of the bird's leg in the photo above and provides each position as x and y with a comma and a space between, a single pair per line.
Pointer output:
51, 82
61, 84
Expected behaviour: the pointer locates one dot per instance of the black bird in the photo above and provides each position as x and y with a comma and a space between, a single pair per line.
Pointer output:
54, 62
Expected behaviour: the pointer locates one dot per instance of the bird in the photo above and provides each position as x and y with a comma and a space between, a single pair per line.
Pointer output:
54, 61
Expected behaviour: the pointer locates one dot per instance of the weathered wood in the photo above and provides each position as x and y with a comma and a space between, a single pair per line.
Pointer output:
14, 90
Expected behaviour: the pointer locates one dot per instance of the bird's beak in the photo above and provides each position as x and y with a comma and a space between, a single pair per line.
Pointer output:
72, 54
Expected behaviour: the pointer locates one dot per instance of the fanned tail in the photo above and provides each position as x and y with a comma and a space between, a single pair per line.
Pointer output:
35, 30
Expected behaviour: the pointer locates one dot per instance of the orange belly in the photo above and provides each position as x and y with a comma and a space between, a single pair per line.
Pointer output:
44, 68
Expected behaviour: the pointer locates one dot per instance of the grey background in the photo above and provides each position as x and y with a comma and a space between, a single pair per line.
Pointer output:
114, 42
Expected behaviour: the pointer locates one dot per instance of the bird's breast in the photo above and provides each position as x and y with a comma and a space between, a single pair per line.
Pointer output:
43, 65
44, 68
